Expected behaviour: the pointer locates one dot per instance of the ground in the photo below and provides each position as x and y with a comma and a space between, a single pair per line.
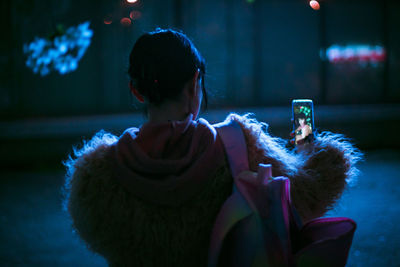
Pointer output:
35, 231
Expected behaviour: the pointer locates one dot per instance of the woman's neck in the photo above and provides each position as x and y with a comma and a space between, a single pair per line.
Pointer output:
167, 112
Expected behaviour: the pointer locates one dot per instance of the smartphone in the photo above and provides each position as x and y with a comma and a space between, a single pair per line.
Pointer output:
303, 119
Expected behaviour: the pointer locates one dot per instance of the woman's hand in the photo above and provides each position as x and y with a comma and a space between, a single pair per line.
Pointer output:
291, 142
302, 144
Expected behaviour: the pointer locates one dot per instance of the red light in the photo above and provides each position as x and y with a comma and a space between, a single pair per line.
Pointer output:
108, 19
135, 15
314, 5
126, 22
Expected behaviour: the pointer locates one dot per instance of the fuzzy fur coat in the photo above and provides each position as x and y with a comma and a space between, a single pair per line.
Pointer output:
128, 230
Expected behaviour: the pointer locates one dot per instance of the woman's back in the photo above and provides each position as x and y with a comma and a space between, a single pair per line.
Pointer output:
128, 230
151, 197
162, 216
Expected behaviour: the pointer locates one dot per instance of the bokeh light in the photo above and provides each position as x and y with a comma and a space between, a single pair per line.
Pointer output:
61, 53
108, 20
314, 5
126, 22
134, 15
131, 1
359, 53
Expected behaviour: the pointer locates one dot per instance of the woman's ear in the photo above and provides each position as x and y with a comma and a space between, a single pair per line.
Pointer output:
194, 83
136, 93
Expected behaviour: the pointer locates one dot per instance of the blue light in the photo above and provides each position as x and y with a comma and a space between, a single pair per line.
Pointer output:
61, 54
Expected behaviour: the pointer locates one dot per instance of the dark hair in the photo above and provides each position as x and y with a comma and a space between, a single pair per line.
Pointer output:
162, 62
301, 115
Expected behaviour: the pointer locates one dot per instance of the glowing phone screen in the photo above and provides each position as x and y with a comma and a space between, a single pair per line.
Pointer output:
303, 118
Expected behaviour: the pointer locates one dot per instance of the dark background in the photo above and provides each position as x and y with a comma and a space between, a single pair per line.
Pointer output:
260, 55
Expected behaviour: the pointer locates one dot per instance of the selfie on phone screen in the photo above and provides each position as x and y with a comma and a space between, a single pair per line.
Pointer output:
303, 119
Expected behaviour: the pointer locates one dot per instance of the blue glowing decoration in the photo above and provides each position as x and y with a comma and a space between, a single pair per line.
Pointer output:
61, 52
362, 54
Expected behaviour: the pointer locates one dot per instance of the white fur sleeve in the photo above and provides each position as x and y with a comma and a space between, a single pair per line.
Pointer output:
87, 188
318, 176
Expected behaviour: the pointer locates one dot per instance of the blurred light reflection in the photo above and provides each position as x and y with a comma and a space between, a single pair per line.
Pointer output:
108, 20
135, 14
126, 22
61, 52
360, 53
314, 5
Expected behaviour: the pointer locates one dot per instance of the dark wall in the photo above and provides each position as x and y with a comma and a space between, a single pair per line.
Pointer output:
259, 53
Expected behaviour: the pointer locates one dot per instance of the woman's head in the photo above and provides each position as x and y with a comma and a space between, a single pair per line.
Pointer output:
161, 63
301, 117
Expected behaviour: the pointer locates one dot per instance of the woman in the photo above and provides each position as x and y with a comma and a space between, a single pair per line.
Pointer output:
151, 196
303, 130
